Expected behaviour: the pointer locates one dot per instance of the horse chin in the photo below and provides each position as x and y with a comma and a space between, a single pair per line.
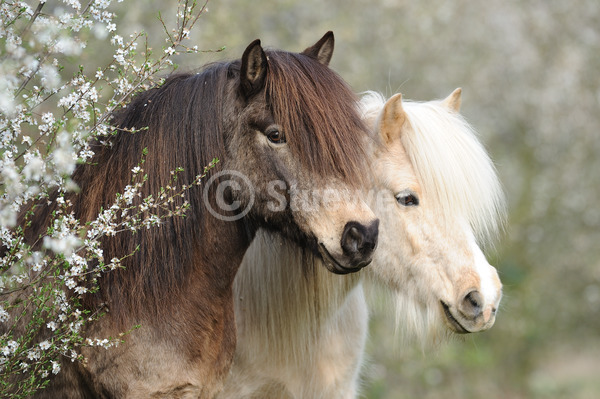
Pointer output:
452, 322
335, 266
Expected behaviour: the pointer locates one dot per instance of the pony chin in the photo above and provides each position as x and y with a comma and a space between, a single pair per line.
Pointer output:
335, 263
416, 322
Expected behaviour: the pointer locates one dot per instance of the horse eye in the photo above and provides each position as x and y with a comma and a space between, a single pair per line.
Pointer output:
407, 199
276, 137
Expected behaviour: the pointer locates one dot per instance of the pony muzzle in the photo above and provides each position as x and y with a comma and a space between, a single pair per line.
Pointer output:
470, 315
358, 243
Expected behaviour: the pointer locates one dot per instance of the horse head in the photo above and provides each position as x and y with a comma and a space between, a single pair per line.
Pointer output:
438, 197
297, 140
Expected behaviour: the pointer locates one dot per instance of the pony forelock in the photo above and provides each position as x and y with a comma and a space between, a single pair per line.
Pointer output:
452, 165
370, 105
308, 96
454, 168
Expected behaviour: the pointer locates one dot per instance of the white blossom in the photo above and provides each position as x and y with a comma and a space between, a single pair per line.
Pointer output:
70, 283
48, 118
10, 348
47, 115
65, 245
73, 3
50, 77
35, 168
4, 316
80, 290
55, 367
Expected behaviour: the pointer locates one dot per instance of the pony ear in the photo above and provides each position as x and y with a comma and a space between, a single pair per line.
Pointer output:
253, 70
392, 119
453, 101
322, 50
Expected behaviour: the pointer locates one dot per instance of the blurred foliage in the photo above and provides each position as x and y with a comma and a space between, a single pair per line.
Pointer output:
529, 73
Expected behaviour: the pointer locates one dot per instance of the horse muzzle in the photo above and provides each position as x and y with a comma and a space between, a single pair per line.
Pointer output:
470, 314
358, 243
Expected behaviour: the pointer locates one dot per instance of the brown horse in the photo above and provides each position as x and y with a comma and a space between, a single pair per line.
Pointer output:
272, 116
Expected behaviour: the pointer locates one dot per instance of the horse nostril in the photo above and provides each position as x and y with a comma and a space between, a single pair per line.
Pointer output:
354, 239
358, 239
471, 305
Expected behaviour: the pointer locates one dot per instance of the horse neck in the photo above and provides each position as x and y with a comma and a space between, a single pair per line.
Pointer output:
185, 305
216, 258
284, 295
221, 249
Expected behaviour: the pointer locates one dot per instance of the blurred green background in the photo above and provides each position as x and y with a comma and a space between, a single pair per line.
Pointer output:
530, 73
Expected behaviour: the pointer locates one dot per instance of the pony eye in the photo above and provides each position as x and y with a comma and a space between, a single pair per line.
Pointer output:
407, 199
276, 137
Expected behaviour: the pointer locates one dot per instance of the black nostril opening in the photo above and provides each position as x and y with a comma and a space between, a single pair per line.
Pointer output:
371, 235
473, 299
352, 238
472, 305
358, 239
355, 239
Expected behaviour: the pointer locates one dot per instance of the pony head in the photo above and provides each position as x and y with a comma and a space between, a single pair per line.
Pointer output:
439, 199
296, 135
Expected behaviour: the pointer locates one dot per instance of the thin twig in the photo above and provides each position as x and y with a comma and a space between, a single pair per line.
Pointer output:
33, 18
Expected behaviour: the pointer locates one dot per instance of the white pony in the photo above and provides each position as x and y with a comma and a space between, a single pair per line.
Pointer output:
302, 331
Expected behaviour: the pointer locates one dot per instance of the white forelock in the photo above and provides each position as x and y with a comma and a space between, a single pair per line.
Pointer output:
451, 164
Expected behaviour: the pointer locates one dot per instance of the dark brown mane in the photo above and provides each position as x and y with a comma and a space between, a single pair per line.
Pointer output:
182, 119
180, 125
332, 148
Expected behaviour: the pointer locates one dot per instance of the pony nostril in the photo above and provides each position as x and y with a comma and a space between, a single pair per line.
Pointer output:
358, 239
354, 240
472, 305
370, 239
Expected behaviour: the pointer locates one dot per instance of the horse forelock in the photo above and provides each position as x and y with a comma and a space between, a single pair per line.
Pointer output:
454, 168
307, 96
452, 165
370, 105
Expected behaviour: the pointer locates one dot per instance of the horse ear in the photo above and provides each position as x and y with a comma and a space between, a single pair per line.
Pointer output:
392, 119
253, 70
322, 50
453, 101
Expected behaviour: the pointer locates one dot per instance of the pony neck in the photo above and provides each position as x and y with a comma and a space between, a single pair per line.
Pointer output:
186, 277
221, 249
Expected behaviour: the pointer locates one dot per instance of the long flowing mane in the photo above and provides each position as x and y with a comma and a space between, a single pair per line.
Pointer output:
451, 164
293, 295
179, 125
